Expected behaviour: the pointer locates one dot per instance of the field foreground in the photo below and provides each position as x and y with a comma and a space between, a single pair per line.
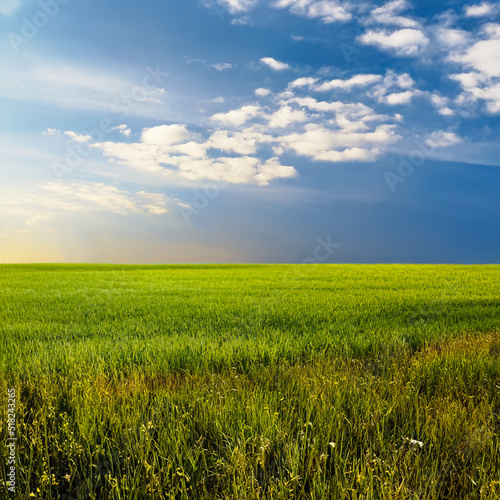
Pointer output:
251, 382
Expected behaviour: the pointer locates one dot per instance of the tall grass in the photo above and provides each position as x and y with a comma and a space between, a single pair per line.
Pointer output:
250, 382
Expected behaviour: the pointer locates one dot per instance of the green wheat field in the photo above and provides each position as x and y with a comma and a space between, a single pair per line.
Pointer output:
251, 381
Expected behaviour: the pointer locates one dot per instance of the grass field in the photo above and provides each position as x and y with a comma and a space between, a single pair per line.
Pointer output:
252, 382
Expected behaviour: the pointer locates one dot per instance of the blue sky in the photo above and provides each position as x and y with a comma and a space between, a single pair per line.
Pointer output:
249, 131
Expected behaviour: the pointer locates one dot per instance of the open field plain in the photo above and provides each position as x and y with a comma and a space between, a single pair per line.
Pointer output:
252, 381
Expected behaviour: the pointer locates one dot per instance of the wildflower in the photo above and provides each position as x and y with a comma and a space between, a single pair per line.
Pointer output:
414, 443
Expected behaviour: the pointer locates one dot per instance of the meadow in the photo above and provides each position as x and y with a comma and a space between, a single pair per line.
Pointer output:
251, 381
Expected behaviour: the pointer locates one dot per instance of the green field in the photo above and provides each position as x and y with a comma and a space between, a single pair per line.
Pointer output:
252, 381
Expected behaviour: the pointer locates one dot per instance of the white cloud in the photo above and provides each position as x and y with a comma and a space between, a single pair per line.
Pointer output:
78, 137
222, 66
443, 139
322, 144
400, 97
274, 64
479, 10
361, 80
404, 42
389, 89
261, 92
243, 143
452, 37
51, 131
328, 11
355, 81
306, 81
441, 103
87, 198
470, 80
490, 93
191, 160
234, 6
123, 129
322, 130
239, 116
387, 14
54, 199
272, 169
484, 56
165, 135
155, 203
285, 116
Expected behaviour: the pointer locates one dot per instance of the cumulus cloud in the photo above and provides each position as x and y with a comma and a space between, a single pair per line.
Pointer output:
484, 56
400, 97
328, 11
441, 103
403, 42
235, 6
321, 143
443, 139
355, 81
388, 14
51, 131
165, 134
239, 116
123, 129
285, 116
479, 10
235, 148
274, 64
243, 143
82, 138
306, 81
261, 92
395, 89
452, 38
480, 79
361, 80
196, 160
484, 90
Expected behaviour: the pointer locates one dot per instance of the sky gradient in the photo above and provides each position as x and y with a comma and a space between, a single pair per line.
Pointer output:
249, 131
